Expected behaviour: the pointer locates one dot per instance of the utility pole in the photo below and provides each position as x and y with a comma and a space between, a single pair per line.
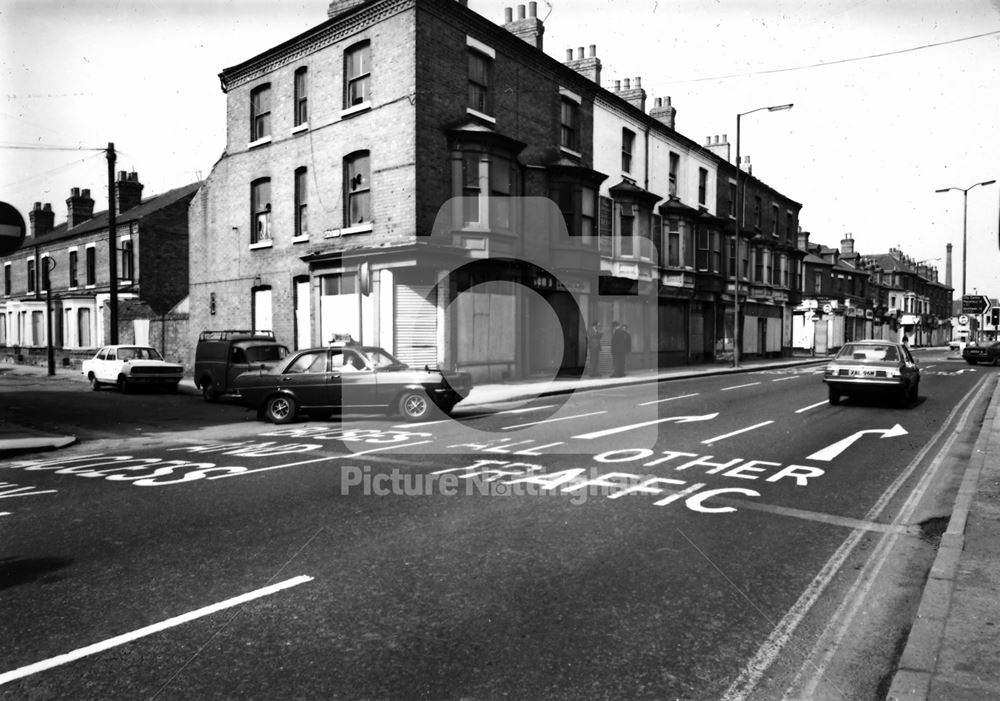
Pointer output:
112, 247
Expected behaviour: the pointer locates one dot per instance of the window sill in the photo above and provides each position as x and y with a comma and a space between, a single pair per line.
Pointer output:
355, 109
349, 230
300, 239
481, 115
261, 244
570, 152
259, 142
300, 128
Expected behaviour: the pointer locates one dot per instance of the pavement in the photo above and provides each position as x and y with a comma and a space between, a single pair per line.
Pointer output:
953, 649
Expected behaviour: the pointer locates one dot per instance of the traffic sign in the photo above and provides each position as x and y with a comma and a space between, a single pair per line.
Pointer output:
975, 304
11, 229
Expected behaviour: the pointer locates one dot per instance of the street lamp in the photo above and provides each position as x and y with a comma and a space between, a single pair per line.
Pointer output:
736, 232
965, 218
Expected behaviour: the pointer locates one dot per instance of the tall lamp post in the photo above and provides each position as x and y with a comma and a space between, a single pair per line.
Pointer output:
965, 220
736, 233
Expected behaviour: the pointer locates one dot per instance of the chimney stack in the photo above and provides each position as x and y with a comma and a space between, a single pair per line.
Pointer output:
339, 7
589, 67
128, 191
803, 240
847, 246
42, 219
79, 207
527, 26
663, 112
719, 148
633, 94
745, 165
947, 266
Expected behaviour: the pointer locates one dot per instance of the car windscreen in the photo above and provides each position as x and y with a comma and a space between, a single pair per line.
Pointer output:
265, 354
139, 354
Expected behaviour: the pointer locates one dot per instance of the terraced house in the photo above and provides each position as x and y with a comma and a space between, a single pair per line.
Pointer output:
424, 179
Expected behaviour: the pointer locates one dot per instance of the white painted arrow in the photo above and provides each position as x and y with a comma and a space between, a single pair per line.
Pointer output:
622, 429
831, 451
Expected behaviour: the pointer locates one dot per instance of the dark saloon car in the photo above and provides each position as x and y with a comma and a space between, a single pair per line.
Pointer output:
324, 381
875, 368
988, 353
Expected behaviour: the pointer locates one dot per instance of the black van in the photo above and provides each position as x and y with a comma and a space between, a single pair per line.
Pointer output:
222, 355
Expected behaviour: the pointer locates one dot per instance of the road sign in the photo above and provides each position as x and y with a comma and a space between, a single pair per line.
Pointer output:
975, 304
11, 229
963, 320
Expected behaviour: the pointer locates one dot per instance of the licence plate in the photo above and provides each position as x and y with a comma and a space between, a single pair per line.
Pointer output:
864, 372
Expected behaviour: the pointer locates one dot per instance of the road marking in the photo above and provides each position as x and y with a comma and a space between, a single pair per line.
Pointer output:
8, 493
306, 462
831, 451
783, 379
811, 406
669, 399
736, 433
125, 638
726, 389
422, 423
524, 411
548, 421
622, 429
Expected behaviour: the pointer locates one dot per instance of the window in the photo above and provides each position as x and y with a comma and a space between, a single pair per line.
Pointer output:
260, 210
758, 265
818, 282
301, 107
626, 230
577, 205
675, 162
605, 224
673, 243
716, 245
501, 185
357, 189
309, 362
702, 186
569, 124
91, 264
341, 284
732, 200
775, 215
83, 325
628, 144
74, 261
260, 112
46, 265
31, 275
6, 279
731, 263
128, 260
790, 226
488, 182
480, 81
587, 213
357, 74
756, 211
301, 222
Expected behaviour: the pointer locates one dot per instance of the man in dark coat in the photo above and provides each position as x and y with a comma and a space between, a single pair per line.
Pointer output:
621, 345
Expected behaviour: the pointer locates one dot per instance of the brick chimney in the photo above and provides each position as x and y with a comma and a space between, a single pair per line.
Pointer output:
128, 191
42, 219
339, 7
529, 28
663, 111
79, 207
719, 148
947, 265
847, 246
633, 94
589, 67
802, 242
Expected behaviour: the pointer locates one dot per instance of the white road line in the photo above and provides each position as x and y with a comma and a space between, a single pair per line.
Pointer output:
669, 399
549, 421
11, 495
82, 652
306, 462
736, 433
811, 406
4, 513
422, 423
784, 379
726, 389
524, 411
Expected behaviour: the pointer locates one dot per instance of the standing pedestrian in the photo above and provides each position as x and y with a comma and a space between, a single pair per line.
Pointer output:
594, 349
619, 343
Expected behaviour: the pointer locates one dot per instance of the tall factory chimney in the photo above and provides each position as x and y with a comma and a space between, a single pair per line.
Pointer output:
947, 266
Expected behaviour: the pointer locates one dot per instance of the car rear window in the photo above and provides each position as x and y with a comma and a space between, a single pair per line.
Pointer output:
265, 354
869, 353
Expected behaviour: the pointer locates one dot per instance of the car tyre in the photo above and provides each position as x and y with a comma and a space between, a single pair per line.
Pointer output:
95, 384
279, 409
124, 385
415, 406
834, 397
208, 392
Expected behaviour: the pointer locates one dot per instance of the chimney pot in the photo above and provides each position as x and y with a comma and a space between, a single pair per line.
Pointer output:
47, 207
85, 193
708, 140
122, 176
74, 192
638, 82
628, 85
36, 207
508, 15
532, 9
579, 52
618, 85
569, 54
593, 50
520, 12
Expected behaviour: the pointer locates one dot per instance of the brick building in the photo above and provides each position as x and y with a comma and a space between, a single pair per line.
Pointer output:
426, 180
152, 264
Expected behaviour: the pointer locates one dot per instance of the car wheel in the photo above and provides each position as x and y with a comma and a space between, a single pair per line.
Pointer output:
415, 406
124, 385
834, 397
94, 384
208, 392
279, 409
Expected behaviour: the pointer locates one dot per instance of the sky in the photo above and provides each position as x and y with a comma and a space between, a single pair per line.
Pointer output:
894, 99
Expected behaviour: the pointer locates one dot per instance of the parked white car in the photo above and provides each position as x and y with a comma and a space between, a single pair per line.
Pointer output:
129, 366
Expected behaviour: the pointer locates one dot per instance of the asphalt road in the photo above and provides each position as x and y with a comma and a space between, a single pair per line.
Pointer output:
726, 537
